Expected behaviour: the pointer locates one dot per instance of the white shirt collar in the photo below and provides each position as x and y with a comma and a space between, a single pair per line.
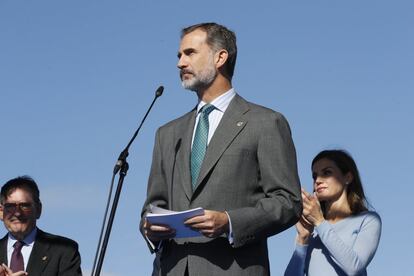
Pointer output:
28, 240
221, 102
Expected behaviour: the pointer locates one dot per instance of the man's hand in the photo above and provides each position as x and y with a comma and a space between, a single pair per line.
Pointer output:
157, 232
5, 271
212, 224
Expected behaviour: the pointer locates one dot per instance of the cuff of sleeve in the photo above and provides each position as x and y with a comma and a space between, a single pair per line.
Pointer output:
230, 235
323, 227
155, 247
301, 249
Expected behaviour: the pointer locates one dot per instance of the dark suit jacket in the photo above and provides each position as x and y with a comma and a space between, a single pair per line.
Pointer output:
249, 171
51, 255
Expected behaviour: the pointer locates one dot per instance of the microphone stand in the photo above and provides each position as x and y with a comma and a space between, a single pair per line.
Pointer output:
121, 166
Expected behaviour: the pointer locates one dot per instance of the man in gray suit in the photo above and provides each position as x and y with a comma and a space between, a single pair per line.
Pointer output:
231, 157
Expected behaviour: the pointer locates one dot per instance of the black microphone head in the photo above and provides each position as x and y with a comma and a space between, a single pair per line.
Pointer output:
159, 91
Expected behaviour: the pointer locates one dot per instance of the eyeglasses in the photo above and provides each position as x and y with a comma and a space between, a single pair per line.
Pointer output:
12, 207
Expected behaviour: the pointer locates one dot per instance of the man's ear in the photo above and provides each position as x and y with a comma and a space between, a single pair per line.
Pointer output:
220, 58
1, 213
39, 210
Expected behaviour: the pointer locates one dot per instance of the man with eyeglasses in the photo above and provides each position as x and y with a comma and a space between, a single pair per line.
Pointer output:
27, 250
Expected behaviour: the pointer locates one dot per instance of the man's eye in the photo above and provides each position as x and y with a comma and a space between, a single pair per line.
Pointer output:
25, 205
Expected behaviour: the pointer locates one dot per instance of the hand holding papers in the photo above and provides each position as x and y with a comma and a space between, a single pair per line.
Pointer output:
175, 220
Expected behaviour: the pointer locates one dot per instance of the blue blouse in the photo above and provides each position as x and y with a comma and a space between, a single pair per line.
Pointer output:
342, 248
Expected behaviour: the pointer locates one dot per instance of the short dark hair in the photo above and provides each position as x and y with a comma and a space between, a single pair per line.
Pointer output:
355, 192
21, 182
218, 37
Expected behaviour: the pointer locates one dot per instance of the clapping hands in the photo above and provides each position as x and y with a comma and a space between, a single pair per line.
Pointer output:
6, 271
311, 216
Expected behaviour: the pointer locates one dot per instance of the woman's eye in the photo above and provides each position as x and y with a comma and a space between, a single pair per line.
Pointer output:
327, 172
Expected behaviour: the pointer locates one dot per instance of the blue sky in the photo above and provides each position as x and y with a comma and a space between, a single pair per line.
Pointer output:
76, 77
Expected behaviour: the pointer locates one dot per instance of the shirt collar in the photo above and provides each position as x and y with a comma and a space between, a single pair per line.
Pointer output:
28, 240
221, 102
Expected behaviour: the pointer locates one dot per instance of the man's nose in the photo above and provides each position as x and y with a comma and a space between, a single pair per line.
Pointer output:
18, 212
182, 63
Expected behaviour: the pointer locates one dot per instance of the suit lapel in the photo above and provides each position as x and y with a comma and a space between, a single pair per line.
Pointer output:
39, 256
230, 126
185, 133
3, 250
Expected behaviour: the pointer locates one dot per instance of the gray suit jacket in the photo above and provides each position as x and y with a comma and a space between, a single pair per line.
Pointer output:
51, 255
249, 171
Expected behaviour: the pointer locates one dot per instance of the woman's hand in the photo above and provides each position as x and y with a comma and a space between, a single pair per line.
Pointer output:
312, 211
304, 229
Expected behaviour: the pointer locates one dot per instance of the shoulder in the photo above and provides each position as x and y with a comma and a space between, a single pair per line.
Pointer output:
266, 120
5, 237
253, 107
369, 216
368, 219
56, 240
262, 113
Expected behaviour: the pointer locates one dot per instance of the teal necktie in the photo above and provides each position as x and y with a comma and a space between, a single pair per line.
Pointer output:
200, 143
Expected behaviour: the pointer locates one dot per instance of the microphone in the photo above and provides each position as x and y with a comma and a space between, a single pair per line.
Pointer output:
122, 166
124, 154
159, 91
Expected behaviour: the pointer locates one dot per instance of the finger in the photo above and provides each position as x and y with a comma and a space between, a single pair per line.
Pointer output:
199, 226
305, 192
156, 236
305, 199
195, 220
306, 203
160, 228
304, 221
208, 234
145, 225
158, 231
316, 197
7, 269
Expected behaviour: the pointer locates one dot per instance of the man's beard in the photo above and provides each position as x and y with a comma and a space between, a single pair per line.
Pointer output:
201, 80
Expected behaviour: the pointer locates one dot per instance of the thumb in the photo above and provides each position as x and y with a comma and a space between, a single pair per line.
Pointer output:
4, 270
316, 198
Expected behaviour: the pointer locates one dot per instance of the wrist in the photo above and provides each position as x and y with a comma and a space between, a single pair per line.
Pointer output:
302, 239
318, 222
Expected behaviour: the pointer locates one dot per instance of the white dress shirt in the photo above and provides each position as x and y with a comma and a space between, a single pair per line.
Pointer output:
221, 103
29, 241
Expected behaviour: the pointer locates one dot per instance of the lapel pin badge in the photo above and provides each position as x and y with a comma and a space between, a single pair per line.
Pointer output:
44, 258
239, 124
